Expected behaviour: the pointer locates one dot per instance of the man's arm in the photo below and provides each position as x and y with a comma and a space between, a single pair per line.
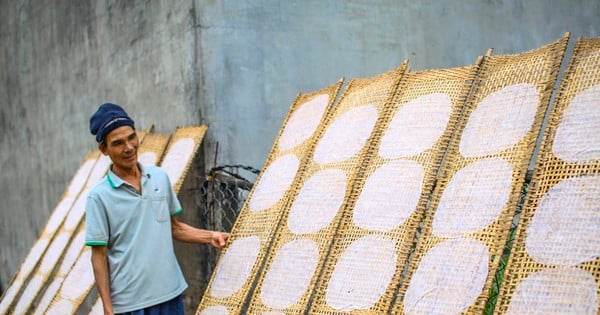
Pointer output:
100, 265
188, 234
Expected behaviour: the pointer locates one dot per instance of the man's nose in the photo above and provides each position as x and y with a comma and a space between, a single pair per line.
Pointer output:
128, 145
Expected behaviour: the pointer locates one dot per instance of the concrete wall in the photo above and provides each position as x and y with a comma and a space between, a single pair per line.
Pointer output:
59, 60
235, 65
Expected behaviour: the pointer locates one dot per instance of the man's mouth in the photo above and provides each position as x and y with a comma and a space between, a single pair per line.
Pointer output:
129, 158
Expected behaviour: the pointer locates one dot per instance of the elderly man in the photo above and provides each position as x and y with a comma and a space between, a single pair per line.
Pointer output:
131, 223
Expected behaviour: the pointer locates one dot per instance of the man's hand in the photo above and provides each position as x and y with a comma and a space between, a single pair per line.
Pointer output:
219, 239
188, 234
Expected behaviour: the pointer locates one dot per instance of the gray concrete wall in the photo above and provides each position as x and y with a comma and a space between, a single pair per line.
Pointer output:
235, 65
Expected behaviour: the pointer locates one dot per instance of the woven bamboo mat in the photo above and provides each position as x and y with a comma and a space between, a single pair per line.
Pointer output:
152, 149
252, 233
71, 288
70, 258
473, 204
312, 217
47, 235
76, 286
61, 240
388, 198
180, 153
141, 134
554, 266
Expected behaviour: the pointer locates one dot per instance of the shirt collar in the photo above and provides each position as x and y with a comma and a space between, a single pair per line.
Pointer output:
115, 181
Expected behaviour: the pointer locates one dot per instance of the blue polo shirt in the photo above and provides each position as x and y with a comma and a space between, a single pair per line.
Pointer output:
136, 228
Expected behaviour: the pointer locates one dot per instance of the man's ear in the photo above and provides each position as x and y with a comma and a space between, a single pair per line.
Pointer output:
102, 148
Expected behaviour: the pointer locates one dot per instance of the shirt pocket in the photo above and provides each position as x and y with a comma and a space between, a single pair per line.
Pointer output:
160, 208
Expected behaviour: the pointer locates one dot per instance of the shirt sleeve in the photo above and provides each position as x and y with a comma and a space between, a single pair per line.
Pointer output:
174, 204
96, 225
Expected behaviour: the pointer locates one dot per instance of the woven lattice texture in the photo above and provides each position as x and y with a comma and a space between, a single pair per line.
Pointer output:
62, 239
312, 216
472, 206
151, 152
72, 286
253, 231
60, 236
75, 288
70, 257
388, 197
56, 218
554, 267
43, 256
180, 153
141, 134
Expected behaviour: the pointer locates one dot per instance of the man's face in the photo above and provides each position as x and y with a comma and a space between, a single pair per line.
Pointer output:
121, 146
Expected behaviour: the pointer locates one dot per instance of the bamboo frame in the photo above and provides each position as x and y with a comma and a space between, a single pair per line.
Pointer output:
551, 171
171, 161
61, 241
415, 88
257, 227
80, 277
537, 68
60, 212
71, 256
153, 146
360, 94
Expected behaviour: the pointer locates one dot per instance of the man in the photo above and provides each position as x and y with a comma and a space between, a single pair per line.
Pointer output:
130, 224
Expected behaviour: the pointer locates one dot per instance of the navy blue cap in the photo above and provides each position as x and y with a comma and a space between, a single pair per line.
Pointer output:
107, 118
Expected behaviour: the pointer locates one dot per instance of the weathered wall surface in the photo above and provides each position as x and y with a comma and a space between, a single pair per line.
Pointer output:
235, 65
256, 55
59, 61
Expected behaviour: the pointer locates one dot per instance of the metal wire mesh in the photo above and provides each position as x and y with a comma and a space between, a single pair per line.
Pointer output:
222, 194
